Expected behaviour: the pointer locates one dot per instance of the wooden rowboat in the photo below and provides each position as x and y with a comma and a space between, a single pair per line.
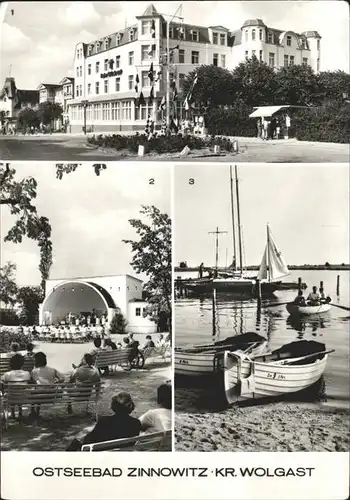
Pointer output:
248, 378
294, 309
199, 360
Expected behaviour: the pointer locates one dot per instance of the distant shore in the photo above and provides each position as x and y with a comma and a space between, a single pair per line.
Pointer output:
302, 267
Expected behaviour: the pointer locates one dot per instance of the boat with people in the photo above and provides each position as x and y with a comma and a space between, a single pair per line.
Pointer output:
199, 360
308, 309
289, 369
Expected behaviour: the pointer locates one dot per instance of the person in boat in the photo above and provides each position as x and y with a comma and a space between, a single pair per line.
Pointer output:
300, 299
323, 298
313, 297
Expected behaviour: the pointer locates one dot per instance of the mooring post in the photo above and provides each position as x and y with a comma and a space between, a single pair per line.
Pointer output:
338, 279
214, 311
258, 291
321, 285
300, 283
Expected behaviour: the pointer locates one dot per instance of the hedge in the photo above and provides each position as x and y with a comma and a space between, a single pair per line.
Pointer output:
159, 144
328, 123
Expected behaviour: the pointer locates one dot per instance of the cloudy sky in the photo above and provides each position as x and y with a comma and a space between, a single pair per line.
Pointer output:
307, 207
38, 39
89, 218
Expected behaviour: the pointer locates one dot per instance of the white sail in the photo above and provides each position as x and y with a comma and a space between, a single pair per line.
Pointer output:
277, 265
262, 273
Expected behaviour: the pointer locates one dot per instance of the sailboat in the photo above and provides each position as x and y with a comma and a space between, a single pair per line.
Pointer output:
235, 279
272, 268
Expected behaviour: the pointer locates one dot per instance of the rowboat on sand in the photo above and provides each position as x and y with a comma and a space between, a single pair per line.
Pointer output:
307, 309
292, 368
199, 360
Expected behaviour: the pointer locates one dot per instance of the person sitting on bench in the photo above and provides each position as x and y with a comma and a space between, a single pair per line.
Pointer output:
43, 374
16, 376
159, 419
97, 348
117, 426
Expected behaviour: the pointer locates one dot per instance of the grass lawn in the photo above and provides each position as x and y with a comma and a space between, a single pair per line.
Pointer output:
56, 428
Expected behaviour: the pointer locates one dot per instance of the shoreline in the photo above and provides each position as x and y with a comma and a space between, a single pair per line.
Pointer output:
277, 426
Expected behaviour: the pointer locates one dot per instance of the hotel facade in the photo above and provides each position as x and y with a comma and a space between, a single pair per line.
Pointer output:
106, 71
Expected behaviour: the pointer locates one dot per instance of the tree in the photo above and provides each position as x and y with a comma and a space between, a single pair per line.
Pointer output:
152, 256
18, 196
28, 117
8, 285
215, 86
296, 85
332, 85
118, 323
49, 111
254, 83
29, 298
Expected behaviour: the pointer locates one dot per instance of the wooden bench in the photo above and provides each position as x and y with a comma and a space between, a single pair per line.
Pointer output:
118, 357
63, 394
157, 441
5, 365
162, 351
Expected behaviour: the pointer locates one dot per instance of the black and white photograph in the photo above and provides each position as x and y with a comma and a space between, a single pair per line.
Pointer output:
251, 81
261, 281
85, 307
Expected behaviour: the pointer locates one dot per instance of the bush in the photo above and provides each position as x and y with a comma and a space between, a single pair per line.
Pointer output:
328, 123
118, 324
159, 144
232, 121
9, 317
9, 337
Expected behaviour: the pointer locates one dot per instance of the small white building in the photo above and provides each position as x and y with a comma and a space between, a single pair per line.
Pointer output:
14, 100
105, 295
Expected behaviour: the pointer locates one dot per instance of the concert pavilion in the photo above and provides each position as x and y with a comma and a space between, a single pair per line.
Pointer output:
105, 295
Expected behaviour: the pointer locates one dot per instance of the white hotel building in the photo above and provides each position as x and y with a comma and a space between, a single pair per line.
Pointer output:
105, 70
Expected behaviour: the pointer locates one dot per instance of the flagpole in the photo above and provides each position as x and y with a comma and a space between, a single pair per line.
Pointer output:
167, 98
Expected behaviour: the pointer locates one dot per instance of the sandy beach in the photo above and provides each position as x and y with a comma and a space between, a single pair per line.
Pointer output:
276, 426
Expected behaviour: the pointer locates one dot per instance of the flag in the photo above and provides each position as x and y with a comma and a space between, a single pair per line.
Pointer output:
188, 97
152, 49
141, 100
150, 73
162, 104
153, 29
151, 96
159, 74
137, 80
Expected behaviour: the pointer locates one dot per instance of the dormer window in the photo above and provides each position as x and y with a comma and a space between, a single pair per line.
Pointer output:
131, 34
289, 40
89, 50
98, 46
106, 43
222, 39
215, 38
194, 35
119, 37
270, 37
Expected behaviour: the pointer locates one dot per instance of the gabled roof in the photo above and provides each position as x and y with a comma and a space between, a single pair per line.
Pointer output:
49, 85
29, 96
66, 79
151, 11
313, 34
222, 28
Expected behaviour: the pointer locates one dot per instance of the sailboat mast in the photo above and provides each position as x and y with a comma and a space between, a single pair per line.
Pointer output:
233, 222
268, 252
239, 223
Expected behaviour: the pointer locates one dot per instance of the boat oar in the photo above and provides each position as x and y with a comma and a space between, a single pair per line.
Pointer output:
294, 360
340, 307
275, 304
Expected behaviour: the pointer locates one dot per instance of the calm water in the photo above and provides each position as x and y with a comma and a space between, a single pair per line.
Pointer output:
194, 324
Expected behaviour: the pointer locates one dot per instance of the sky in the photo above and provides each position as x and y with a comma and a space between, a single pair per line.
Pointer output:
89, 218
38, 40
306, 206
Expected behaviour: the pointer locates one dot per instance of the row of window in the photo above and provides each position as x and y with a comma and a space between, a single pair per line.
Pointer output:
111, 111
272, 38
289, 60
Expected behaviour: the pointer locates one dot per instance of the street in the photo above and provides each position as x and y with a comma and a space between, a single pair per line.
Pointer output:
74, 148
